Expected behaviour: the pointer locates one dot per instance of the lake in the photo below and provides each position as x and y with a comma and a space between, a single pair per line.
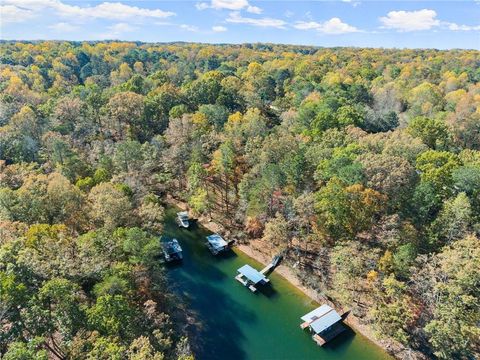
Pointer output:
234, 323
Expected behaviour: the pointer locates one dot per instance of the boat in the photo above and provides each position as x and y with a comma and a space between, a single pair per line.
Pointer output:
172, 250
182, 219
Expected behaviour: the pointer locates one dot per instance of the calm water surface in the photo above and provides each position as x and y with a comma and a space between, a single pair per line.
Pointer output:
234, 323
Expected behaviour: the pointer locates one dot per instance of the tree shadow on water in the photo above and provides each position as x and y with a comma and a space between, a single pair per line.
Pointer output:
216, 330
216, 334
267, 290
226, 255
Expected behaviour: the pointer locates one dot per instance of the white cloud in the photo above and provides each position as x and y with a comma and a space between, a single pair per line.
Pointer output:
187, 27
202, 6
62, 27
424, 19
229, 4
105, 10
116, 30
236, 18
334, 26
12, 14
219, 29
254, 9
122, 28
163, 23
118, 10
457, 27
354, 3
306, 25
235, 5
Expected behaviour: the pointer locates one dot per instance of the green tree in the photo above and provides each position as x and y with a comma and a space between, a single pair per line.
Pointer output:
13, 297
106, 348
345, 211
453, 331
453, 221
26, 351
394, 311
110, 207
341, 164
224, 166
277, 233
142, 349
436, 167
139, 246
112, 315
125, 112
434, 133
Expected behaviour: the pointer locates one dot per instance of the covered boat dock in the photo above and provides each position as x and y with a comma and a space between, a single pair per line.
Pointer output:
324, 322
216, 244
172, 250
250, 277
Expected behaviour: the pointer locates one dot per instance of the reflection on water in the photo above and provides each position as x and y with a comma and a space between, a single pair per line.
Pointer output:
233, 323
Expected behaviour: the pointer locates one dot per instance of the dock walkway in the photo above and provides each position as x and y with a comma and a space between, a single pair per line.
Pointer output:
267, 268
276, 259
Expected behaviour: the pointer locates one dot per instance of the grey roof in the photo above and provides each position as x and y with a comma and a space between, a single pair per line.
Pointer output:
216, 241
315, 314
251, 274
325, 321
172, 247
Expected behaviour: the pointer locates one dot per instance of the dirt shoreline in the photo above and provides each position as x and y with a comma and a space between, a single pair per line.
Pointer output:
391, 347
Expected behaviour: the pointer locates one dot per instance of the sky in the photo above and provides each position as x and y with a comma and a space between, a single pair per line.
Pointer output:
361, 23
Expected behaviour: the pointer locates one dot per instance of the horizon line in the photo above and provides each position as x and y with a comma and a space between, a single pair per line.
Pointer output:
239, 43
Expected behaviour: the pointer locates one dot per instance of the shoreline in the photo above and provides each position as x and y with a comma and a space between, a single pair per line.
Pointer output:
287, 273
390, 347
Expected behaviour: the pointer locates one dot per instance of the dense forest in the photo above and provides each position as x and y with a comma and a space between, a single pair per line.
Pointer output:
363, 165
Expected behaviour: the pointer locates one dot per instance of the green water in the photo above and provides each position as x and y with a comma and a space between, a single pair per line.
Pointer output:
234, 323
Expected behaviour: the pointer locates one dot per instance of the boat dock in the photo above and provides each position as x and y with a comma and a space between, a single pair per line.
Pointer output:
325, 337
250, 277
324, 323
216, 244
172, 250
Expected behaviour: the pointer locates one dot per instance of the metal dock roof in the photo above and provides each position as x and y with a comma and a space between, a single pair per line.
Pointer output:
325, 321
318, 312
216, 241
172, 247
251, 274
